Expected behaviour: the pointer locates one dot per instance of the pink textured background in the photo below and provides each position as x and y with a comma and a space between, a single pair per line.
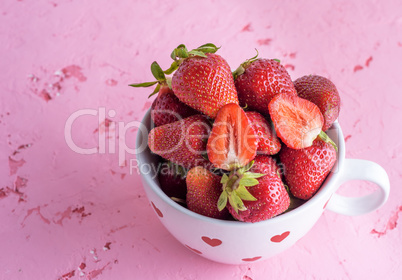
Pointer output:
65, 215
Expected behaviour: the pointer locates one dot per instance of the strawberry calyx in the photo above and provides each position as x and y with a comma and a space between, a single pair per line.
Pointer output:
161, 79
180, 53
242, 67
234, 188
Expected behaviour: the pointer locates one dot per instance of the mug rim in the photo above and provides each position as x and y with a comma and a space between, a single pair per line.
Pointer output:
328, 184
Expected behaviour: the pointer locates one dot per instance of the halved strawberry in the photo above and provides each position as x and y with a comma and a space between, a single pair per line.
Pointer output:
297, 121
232, 143
268, 142
203, 191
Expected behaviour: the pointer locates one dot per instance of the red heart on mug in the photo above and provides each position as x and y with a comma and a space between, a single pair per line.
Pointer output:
211, 242
194, 250
279, 238
251, 259
159, 212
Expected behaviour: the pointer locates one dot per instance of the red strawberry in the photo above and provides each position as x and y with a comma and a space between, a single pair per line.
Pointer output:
203, 191
269, 192
167, 108
259, 80
306, 169
203, 81
182, 142
172, 180
268, 142
297, 121
323, 93
232, 142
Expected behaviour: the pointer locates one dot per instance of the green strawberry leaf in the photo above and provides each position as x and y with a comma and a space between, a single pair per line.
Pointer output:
245, 168
248, 166
197, 53
244, 194
179, 52
157, 72
182, 53
172, 68
173, 54
236, 202
146, 84
222, 201
224, 179
208, 48
253, 175
156, 90
248, 182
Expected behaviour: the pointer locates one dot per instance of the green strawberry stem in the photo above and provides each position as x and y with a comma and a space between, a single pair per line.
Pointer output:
326, 139
240, 70
242, 67
234, 188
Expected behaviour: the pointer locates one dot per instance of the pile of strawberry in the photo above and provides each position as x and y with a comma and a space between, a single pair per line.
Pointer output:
241, 145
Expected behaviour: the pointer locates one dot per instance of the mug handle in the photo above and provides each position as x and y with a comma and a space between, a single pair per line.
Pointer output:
358, 169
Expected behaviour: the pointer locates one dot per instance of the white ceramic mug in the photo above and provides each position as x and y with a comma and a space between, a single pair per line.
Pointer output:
234, 242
